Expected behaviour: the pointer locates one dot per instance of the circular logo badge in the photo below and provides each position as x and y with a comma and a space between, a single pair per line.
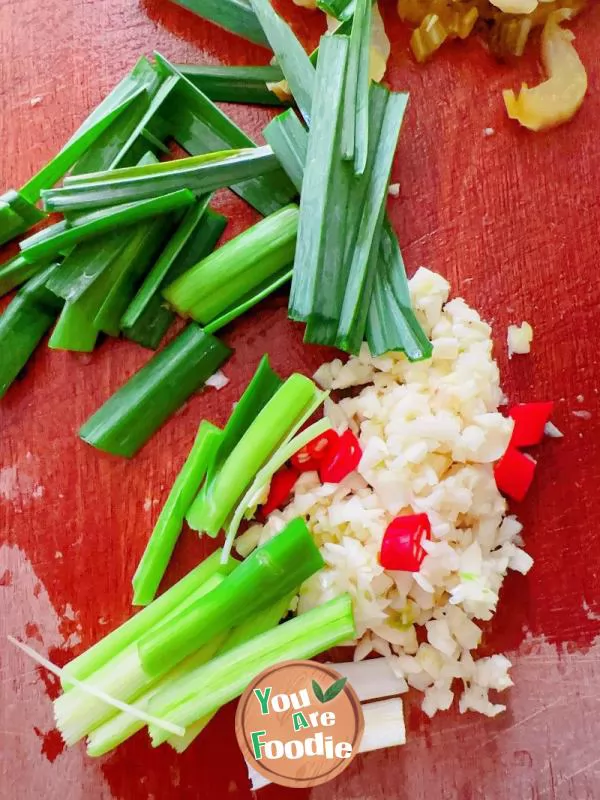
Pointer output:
299, 723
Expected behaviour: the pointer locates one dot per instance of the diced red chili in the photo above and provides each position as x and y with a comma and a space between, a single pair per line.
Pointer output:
282, 485
530, 420
402, 545
341, 458
514, 473
310, 456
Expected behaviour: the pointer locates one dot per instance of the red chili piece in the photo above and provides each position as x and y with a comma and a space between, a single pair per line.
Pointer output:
514, 473
282, 484
530, 420
340, 459
309, 457
402, 548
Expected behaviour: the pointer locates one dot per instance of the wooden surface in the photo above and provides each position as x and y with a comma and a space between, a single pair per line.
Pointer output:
512, 220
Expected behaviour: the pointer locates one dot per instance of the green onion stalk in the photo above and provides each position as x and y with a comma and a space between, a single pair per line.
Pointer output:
235, 84
391, 323
295, 64
263, 621
235, 16
23, 324
200, 174
240, 267
17, 209
148, 318
122, 726
272, 572
355, 114
159, 549
16, 271
77, 714
129, 418
226, 676
286, 409
130, 631
288, 138
58, 238
200, 127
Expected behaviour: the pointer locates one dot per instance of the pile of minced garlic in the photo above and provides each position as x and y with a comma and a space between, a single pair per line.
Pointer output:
430, 433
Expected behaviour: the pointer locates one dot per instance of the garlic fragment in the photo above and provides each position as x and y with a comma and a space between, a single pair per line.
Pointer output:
513, 6
519, 339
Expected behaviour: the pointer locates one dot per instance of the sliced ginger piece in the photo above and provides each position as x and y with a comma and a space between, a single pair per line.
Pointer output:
557, 99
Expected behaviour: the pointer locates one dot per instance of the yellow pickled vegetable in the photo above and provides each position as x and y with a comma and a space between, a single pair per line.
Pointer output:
380, 47
428, 37
557, 99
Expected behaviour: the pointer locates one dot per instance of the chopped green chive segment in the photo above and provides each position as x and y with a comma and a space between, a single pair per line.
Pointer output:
96, 123
109, 145
17, 215
100, 278
318, 201
84, 265
17, 210
226, 276
159, 549
147, 318
265, 434
200, 174
75, 330
291, 56
200, 127
129, 418
363, 263
392, 324
235, 84
355, 126
288, 138
269, 573
86, 226
235, 16
250, 300
22, 325
226, 676
264, 384
144, 243
146, 121
136, 626
16, 271
341, 215
340, 9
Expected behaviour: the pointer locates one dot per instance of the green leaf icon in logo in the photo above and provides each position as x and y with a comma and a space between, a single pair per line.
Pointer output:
331, 693
318, 692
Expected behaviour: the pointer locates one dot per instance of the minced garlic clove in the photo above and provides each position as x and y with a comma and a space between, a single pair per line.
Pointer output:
281, 90
557, 99
519, 339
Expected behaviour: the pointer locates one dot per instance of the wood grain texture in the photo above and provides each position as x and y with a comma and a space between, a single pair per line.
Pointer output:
512, 220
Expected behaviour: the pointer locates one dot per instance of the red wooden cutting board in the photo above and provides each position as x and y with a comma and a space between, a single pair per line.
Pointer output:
512, 220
